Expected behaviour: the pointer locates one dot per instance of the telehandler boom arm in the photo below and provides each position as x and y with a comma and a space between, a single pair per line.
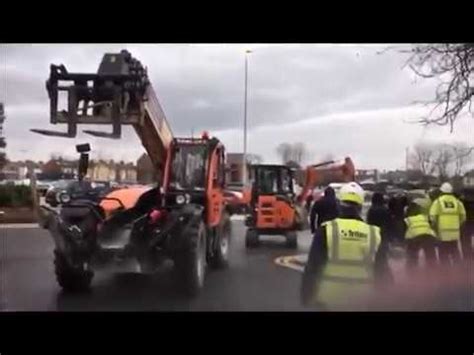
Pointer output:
120, 93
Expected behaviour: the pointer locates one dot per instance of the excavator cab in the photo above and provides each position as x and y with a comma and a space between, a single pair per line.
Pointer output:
275, 208
272, 204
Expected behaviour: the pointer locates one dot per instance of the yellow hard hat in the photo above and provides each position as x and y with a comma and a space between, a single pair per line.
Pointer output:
352, 192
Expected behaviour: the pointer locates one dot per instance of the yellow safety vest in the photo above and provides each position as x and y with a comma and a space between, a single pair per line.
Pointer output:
418, 225
447, 214
348, 274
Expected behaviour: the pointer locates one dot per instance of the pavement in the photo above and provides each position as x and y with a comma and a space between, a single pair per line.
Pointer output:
267, 278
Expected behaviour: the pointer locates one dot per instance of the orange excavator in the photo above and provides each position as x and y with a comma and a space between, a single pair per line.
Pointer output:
274, 208
184, 218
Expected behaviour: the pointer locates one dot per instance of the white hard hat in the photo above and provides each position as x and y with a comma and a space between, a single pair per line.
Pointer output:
446, 187
352, 192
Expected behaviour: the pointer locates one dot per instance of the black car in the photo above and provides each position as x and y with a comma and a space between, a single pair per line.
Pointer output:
66, 191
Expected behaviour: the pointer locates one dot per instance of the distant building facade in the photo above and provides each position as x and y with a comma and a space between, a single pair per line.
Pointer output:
101, 170
146, 174
364, 175
234, 168
468, 179
59, 168
15, 171
98, 170
125, 173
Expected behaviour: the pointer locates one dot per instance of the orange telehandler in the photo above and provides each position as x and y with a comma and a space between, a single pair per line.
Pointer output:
273, 206
184, 218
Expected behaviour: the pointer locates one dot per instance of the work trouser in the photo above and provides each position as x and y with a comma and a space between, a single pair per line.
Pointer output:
427, 243
448, 251
397, 231
467, 233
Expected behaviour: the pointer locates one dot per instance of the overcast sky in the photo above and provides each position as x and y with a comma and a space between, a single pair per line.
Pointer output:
337, 99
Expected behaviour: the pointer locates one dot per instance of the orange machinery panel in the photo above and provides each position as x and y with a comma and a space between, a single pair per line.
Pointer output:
273, 213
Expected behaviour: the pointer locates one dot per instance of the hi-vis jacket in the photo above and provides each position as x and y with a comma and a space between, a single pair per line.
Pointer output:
342, 262
418, 225
447, 214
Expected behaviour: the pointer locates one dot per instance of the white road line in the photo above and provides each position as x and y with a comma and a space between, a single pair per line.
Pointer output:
19, 225
294, 262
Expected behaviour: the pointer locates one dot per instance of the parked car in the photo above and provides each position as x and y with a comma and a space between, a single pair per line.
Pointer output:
67, 190
234, 201
42, 186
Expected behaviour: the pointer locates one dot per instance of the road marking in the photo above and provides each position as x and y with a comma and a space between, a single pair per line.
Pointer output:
294, 262
19, 225
237, 218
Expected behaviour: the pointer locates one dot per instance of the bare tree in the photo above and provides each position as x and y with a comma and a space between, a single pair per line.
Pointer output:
291, 152
56, 156
422, 158
328, 157
299, 152
442, 160
462, 155
284, 151
254, 159
453, 64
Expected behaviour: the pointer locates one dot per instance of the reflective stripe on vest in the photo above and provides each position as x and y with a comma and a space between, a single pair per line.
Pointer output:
418, 225
448, 219
352, 245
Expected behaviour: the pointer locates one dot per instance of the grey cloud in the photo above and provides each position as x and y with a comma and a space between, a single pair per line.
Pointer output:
201, 87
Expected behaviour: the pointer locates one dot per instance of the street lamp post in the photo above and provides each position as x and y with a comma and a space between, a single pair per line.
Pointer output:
244, 157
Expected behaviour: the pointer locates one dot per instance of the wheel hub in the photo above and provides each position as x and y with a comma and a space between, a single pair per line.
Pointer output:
224, 245
200, 264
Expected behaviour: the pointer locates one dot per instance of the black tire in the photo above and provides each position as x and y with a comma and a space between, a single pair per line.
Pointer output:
292, 239
251, 238
69, 278
220, 257
146, 265
191, 263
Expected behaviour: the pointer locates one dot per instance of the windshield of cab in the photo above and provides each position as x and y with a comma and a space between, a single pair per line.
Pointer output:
188, 167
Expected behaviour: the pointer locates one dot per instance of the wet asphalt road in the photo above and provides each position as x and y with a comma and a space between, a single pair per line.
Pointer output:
252, 283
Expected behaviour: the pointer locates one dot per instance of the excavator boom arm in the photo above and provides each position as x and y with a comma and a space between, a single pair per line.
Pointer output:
326, 173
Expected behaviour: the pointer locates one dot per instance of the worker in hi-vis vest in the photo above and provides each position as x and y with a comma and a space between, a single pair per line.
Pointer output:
419, 236
347, 257
447, 215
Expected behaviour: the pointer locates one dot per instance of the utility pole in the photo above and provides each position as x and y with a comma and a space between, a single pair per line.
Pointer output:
406, 157
34, 192
3, 144
244, 157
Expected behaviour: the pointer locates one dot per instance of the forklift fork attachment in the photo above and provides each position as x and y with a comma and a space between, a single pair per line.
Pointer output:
114, 96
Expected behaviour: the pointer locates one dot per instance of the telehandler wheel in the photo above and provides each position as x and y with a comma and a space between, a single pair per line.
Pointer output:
251, 238
191, 263
220, 257
292, 239
69, 278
